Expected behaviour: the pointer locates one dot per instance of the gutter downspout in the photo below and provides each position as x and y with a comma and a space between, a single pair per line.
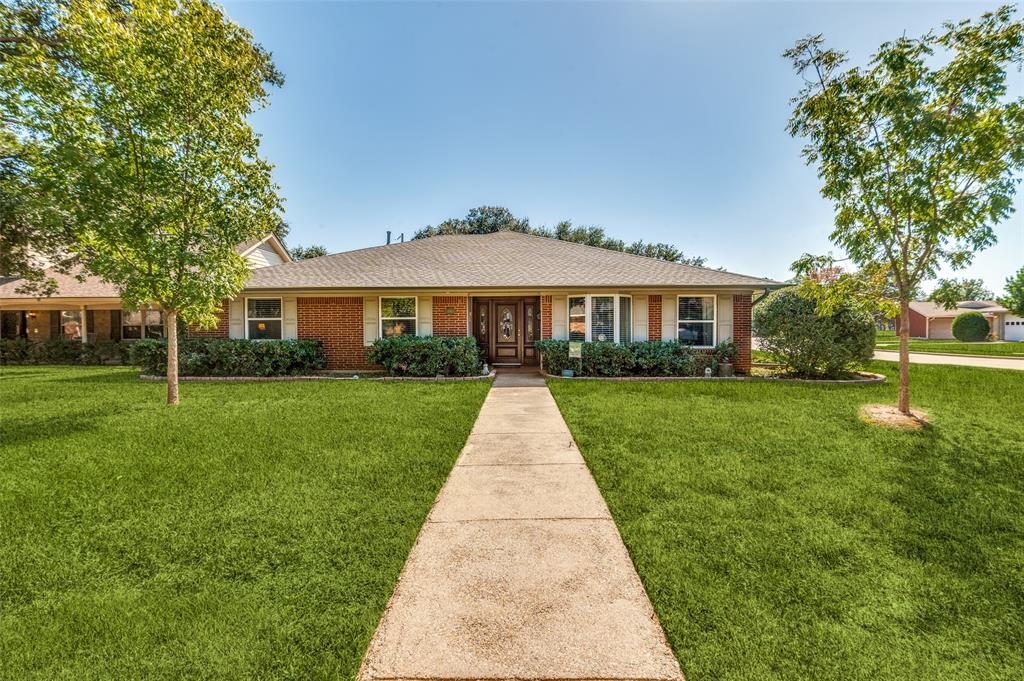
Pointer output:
767, 290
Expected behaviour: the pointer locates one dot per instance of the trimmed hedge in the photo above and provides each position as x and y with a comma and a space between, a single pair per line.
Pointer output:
640, 358
61, 351
426, 355
971, 327
813, 345
234, 357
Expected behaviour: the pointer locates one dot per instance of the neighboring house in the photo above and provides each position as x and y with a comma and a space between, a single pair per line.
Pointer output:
90, 309
933, 321
506, 289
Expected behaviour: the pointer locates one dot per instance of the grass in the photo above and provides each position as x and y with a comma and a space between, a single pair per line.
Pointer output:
887, 340
780, 537
255, 531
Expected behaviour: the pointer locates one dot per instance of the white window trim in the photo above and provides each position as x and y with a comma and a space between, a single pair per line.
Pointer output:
713, 321
616, 329
263, 319
381, 318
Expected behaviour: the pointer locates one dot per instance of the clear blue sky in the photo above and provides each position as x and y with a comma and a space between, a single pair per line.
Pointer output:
662, 121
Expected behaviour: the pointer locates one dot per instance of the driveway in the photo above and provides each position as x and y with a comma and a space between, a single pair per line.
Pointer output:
958, 360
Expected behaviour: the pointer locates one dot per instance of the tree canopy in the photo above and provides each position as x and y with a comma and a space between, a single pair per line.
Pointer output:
949, 292
490, 219
133, 125
918, 150
305, 252
1014, 298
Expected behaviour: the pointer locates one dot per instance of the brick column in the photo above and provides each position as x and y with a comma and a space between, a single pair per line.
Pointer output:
741, 330
545, 317
223, 324
654, 318
338, 324
450, 314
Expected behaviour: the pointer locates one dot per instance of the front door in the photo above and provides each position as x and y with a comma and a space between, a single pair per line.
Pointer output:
508, 315
506, 329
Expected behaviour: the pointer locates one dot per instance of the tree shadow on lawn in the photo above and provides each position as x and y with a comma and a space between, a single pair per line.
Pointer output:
36, 431
958, 542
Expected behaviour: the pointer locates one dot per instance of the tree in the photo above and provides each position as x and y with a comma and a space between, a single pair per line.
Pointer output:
1014, 298
306, 252
490, 219
949, 292
917, 154
137, 115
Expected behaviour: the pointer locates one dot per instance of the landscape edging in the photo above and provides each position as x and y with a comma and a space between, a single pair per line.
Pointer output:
313, 377
867, 378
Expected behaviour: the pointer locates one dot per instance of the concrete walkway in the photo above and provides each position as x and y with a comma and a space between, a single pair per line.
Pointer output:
959, 360
519, 571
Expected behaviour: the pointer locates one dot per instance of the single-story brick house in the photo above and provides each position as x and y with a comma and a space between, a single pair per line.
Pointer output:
933, 321
90, 309
506, 289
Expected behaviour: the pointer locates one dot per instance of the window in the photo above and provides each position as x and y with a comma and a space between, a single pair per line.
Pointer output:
577, 318
137, 324
697, 321
398, 316
625, 319
263, 318
71, 324
600, 318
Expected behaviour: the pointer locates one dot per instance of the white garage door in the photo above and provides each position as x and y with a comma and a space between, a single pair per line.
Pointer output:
1013, 328
941, 329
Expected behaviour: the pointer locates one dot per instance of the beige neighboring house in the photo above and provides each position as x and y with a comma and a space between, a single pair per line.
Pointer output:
90, 309
507, 290
933, 321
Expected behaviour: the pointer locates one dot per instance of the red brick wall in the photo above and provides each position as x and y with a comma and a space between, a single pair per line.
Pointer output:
741, 330
223, 324
654, 318
338, 324
545, 317
918, 325
453, 323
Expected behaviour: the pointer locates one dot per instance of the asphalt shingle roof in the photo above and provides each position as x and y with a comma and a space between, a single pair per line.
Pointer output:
930, 309
498, 260
68, 286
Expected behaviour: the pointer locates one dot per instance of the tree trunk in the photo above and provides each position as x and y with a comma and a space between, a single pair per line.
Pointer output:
904, 399
171, 328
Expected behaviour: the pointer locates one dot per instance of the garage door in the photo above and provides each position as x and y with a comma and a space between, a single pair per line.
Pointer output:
1013, 328
941, 329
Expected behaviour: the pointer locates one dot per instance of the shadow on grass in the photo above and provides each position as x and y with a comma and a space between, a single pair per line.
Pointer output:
40, 430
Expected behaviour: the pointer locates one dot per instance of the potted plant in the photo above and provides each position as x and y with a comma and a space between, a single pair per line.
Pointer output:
724, 355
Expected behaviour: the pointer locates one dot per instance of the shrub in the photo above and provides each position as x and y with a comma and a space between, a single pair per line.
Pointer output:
640, 358
970, 327
811, 344
234, 357
426, 355
725, 352
60, 351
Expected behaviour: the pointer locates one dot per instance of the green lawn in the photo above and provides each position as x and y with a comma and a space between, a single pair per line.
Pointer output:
256, 531
887, 340
779, 537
